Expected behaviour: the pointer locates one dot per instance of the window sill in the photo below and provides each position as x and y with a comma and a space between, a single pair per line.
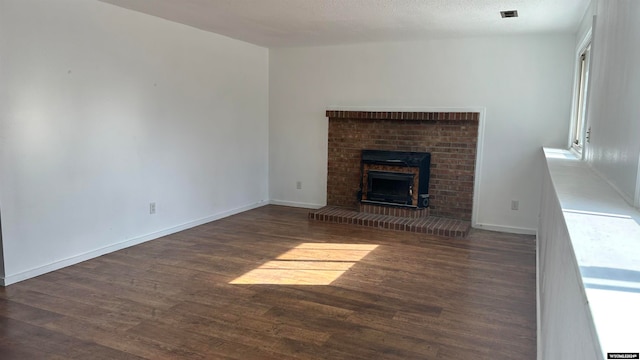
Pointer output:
604, 231
577, 151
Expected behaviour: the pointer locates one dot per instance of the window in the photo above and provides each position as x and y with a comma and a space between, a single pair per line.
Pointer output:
578, 134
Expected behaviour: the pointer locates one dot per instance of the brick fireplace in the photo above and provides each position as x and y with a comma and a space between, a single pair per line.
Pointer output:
450, 137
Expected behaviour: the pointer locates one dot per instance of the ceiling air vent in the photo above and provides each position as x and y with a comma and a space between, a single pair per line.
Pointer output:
509, 13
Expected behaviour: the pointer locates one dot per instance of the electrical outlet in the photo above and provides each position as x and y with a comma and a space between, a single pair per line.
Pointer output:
152, 208
299, 185
515, 204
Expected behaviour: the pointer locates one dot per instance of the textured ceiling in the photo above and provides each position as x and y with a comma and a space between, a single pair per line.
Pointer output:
279, 23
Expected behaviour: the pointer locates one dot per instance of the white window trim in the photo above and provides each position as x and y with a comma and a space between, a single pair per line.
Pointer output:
584, 44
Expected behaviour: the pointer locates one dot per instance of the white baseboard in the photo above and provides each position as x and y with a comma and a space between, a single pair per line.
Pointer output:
505, 229
14, 278
295, 204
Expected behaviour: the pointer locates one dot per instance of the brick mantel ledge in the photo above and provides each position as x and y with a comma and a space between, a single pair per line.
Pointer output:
403, 115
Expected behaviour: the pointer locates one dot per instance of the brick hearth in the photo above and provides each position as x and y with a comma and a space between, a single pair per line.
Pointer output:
431, 225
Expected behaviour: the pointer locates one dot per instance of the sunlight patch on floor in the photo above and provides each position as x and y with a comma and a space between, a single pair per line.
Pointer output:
308, 264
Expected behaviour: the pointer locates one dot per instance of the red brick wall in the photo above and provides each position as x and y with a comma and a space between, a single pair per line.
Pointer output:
450, 137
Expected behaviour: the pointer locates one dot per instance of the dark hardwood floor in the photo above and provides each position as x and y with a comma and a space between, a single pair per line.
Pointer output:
231, 289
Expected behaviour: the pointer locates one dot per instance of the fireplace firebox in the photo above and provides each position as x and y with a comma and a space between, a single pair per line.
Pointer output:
389, 187
395, 178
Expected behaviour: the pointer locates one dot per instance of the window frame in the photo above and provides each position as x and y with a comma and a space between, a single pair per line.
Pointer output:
578, 130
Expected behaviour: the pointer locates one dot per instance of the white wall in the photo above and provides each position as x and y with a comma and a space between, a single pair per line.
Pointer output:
614, 110
523, 82
103, 110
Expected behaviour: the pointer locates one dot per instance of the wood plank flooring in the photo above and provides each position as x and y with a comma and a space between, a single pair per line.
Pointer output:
413, 296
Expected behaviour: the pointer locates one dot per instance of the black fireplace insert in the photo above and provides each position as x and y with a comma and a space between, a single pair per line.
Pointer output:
396, 184
389, 187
